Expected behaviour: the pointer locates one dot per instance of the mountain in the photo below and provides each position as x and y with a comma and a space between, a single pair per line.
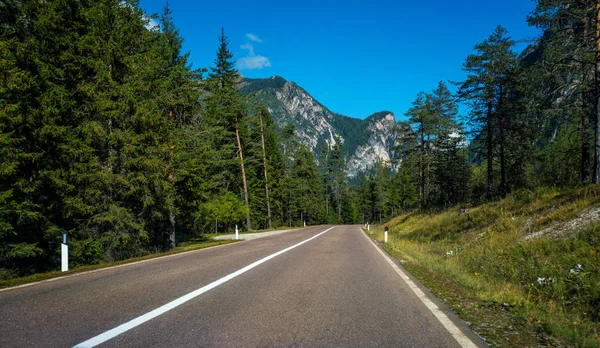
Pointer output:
365, 142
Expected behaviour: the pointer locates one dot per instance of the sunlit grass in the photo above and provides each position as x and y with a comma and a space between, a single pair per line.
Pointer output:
549, 288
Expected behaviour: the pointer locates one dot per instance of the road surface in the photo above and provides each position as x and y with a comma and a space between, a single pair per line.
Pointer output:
313, 287
250, 236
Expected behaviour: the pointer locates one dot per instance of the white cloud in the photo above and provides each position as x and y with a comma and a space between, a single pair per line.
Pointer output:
252, 61
248, 47
253, 38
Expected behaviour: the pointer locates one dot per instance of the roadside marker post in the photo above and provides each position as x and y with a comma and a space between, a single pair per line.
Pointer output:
237, 236
368, 227
64, 252
385, 235
304, 223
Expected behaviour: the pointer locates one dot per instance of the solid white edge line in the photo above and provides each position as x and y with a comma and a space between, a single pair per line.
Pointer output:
458, 335
103, 337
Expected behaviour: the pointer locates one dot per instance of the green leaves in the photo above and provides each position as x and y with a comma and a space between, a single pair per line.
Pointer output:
23, 251
224, 210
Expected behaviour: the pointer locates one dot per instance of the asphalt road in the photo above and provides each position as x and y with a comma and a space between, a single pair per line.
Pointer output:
335, 290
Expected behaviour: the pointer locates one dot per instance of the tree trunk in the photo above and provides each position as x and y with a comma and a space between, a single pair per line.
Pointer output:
340, 207
585, 118
585, 144
490, 151
596, 175
171, 226
237, 135
262, 136
503, 186
172, 240
428, 176
422, 171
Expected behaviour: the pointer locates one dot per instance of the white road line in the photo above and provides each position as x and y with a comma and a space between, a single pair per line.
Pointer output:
458, 335
94, 341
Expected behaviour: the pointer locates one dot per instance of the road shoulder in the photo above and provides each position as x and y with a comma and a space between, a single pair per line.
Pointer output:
458, 328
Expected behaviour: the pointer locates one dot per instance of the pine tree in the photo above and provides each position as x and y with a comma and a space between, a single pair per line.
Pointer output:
421, 120
263, 114
572, 53
87, 135
263, 163
306, 196
407, 194
289, 145
452, 171
336, 167
596, 116
324, 171
381, 194
485, 89
365, 199
350, 210
226, 109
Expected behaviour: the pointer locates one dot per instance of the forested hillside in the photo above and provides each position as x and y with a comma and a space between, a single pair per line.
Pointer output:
109, 134
533, 118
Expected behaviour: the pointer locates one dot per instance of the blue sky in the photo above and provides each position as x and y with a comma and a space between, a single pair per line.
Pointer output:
355, 57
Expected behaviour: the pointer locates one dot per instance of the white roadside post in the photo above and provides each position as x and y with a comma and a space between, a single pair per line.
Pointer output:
304, 223
385, 235
64, 253
237, 236
368, 226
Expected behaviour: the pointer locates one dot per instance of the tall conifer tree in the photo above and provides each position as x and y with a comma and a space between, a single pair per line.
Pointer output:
485, 90
226, 107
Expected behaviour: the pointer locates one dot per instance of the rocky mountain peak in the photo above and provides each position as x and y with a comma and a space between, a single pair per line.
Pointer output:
366, 142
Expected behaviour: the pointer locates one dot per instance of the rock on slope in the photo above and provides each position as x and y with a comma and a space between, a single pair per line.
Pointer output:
366, 142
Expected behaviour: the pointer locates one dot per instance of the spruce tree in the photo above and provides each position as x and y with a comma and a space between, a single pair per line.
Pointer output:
87, 131
307, 187
382, 184
263, 114
226, 109
336, 167
407, 194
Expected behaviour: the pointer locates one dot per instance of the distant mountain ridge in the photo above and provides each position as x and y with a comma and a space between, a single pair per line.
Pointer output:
366, 142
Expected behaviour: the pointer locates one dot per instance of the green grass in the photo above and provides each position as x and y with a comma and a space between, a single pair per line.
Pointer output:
514, 292
183, 247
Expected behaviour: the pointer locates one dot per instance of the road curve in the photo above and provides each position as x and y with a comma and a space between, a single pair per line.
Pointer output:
309, 289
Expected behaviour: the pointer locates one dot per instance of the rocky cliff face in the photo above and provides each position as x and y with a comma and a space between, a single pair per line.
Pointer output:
378, 147
314, 121
365, 141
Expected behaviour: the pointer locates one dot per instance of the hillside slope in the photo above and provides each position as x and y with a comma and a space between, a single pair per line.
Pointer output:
366, 142
524, 271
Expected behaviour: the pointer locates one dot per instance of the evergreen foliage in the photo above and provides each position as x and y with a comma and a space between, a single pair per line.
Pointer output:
108, 133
